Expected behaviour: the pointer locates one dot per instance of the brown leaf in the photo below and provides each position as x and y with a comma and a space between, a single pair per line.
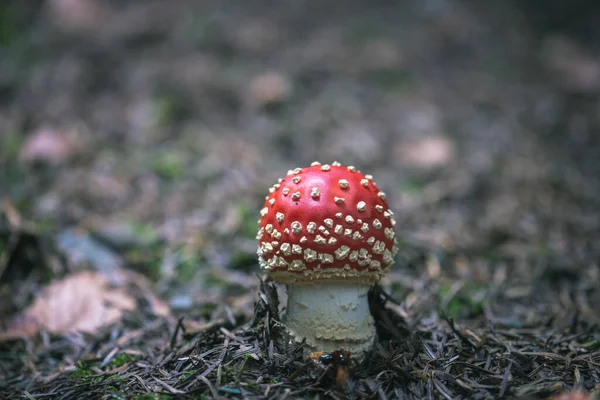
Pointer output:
81, 302
49, 145
269, 88
79, 15
574, 395
427, 152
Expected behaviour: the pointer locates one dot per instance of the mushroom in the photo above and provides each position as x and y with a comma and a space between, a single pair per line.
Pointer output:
327, 232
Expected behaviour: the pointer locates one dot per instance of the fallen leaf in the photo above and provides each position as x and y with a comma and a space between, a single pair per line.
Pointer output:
50, 146
574, 395
82, 302
428, 152
79, 15
158, 306
269, 88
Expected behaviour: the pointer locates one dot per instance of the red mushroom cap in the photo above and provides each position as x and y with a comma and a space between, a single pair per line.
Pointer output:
326, 222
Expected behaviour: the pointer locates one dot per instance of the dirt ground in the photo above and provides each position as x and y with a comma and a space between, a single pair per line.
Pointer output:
139, 138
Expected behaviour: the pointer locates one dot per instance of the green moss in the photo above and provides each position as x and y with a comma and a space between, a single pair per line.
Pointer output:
541, 250
116, 379
205, 30
187, 374
592, 346
187, 267
11, 176
8, 25
206, 309
145, 232
10, 145
147, 261
153, 396
468, 301
122, 359
85, 375
414, 187
153, 269
186, 259
242, 260
169, 165
169, 107
393, 79
215, 280
229, 374
248, 217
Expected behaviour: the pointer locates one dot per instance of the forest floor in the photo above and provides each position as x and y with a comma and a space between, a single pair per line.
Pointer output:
137, 143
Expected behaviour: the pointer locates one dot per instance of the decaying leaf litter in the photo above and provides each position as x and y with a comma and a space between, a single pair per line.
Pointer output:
162, 162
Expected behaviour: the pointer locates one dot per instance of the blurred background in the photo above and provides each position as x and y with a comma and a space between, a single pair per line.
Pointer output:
142, 136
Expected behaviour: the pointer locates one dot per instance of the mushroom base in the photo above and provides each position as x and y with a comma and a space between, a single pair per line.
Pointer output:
331, 316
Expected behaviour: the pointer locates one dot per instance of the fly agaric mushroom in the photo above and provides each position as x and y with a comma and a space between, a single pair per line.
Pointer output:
326, 231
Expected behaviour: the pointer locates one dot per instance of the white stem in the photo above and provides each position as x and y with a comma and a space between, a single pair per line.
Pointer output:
331, 316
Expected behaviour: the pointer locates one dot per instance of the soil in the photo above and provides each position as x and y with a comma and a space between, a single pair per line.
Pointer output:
139, 138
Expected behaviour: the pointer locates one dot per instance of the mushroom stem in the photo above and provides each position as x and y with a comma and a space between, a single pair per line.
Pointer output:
330, 316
